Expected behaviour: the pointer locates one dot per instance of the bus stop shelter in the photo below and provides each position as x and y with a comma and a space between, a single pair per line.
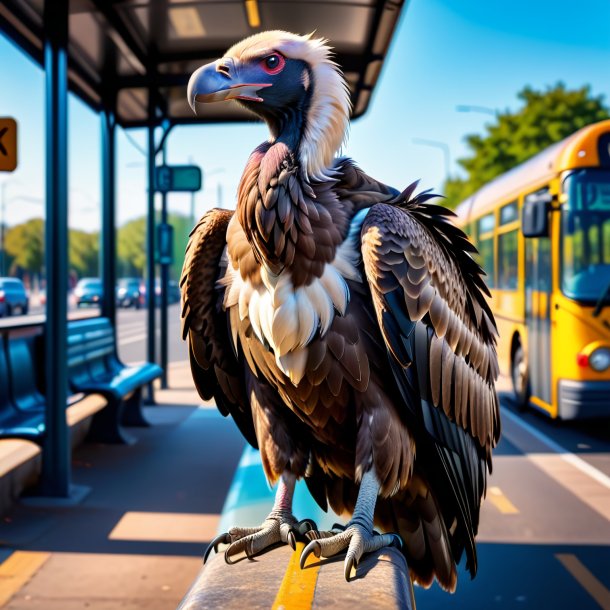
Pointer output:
130, 61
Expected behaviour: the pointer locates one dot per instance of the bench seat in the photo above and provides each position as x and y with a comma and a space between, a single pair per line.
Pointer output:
94, 367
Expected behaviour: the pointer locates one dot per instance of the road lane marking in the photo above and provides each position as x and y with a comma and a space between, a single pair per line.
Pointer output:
17, 570
565, 455
582, 480
586, 580
298, 586
501, 502
133, 339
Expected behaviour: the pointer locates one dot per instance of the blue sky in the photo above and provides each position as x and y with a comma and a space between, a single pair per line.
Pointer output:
445, 53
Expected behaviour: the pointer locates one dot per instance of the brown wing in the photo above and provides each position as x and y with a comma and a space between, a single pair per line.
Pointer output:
216, 371
428, 296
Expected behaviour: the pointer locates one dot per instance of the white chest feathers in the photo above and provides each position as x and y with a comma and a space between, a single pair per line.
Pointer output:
287, 318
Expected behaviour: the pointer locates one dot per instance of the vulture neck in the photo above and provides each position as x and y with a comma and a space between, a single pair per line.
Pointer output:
266, 207
287, 128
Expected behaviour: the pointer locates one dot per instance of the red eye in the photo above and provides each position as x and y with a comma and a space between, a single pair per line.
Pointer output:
273, 64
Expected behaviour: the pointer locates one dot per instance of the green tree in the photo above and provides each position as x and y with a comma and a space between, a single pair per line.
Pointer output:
131, 248
546, 117
84, 252
25, 244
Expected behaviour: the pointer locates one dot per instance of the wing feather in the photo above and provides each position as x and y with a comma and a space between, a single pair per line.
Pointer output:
214, 365
429, 299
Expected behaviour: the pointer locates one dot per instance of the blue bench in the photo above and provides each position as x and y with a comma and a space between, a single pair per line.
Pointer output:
94, 367
24, 420
23, 405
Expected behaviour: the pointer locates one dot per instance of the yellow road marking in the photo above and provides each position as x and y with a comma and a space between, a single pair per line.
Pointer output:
298, 586
17, 570
586, 580
501, 502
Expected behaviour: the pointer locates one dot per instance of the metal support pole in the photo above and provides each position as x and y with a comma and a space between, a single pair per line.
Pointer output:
150, 250
56, 448
3, 228
164, 300
108, 215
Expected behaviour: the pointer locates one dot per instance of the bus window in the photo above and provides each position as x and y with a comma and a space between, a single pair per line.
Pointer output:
485, 245
508, 213
507, 260
585, 226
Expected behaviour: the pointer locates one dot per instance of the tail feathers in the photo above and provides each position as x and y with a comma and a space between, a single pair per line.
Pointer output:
427, 548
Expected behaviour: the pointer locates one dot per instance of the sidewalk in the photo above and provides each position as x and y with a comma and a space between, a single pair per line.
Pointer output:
137, 539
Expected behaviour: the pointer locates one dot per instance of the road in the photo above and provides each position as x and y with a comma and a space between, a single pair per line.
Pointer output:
132, 333
544, 536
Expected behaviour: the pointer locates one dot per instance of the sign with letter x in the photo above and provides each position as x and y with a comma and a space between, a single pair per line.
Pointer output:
8, 145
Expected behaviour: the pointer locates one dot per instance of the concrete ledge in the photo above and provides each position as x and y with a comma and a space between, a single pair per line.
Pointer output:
275, 580
21, 460
20, 463
80, 414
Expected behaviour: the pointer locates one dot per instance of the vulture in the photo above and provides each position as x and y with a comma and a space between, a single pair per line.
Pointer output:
343, 325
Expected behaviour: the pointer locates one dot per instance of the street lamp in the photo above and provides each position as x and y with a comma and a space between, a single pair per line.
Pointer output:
442, 146
481, 109
204, 175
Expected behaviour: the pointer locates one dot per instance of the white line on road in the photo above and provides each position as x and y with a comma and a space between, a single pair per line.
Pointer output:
565, 455
133, 339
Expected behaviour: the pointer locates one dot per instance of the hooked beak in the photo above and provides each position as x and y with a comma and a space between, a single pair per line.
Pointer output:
219, 82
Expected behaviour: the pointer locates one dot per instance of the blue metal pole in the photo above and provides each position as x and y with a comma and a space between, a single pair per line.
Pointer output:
56, 448
108, 215
164, 301
150, 249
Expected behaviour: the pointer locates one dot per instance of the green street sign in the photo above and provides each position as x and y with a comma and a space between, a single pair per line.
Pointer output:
177, 178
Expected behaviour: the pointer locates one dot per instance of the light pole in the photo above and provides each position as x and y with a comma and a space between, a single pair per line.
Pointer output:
204, 176
442, 146
480, 109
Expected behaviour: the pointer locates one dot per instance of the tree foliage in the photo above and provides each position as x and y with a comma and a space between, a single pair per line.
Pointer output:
131, 248
84, 253
546, 117
25, 245
25, 248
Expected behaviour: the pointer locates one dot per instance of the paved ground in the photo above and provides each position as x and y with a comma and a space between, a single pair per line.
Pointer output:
136, 541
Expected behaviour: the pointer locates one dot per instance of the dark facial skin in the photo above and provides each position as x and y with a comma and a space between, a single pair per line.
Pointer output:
285, 103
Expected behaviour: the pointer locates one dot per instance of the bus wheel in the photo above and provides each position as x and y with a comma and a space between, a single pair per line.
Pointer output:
520, 377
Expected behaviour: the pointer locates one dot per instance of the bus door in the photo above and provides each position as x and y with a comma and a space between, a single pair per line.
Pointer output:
538, 287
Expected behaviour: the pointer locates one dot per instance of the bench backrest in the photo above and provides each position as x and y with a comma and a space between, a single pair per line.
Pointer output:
5, 397
91, 349
21, 368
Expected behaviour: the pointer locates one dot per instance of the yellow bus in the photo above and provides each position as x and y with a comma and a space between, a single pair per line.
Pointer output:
543, 234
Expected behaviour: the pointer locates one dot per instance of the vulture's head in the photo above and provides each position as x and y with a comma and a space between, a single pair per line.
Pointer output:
292, 83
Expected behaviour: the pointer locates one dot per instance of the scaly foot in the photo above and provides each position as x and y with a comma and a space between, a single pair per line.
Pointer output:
278, 527
354, 537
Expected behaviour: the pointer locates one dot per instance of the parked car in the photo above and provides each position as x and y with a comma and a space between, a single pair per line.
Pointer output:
89, 291
12, 296
129, 292
173, 292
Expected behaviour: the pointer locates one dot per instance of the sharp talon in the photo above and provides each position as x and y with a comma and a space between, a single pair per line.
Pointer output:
313, 547
338, 526
292, 541
349, 564
221, 539
306, 525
